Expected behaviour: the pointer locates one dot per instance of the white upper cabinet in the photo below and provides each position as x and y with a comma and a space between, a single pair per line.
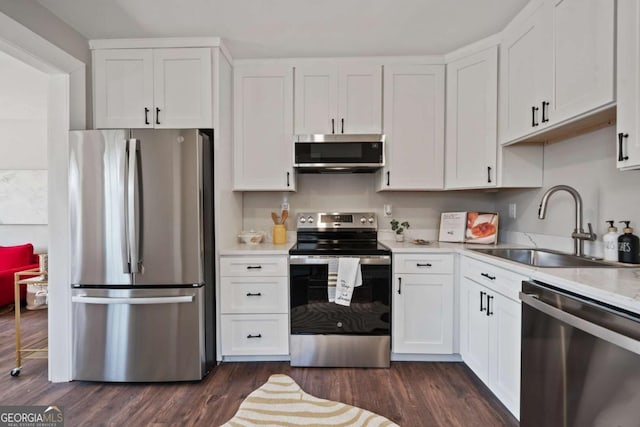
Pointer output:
628, 87
582, 57
123, 88
360, 98
152, 88
263, 127
338, 98
413, 127
557, 66
471, 129
522, 79
182, 88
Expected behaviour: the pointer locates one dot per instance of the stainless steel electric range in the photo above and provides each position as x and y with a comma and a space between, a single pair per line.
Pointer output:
324, 333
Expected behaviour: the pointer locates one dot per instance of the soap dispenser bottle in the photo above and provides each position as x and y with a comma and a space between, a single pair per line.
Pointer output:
628, 246
611, 243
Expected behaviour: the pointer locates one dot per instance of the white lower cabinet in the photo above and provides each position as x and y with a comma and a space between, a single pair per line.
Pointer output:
255, 335
254, 306
423, 304
490, 328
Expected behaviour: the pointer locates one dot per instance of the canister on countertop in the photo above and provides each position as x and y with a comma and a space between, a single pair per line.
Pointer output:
279, 234
628, 246
611, 243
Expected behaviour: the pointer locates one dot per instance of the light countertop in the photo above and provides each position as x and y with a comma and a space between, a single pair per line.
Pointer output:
619, 287
259, 249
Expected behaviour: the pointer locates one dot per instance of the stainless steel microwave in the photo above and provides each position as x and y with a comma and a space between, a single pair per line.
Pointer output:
339, 153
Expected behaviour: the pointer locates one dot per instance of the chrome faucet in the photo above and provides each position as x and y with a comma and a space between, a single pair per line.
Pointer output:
578, 235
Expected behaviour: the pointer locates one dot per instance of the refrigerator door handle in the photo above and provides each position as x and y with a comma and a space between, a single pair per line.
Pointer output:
142, 301
133, 209
124, 240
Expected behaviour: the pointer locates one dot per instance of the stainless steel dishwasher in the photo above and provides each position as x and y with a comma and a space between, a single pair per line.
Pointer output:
580, 361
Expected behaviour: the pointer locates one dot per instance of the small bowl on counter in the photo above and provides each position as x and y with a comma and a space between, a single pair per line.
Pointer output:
251, 237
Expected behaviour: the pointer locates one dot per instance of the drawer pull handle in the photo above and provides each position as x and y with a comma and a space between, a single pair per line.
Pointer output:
482, 294
488, 276
257, 294
254, 336
254, 267
423, 265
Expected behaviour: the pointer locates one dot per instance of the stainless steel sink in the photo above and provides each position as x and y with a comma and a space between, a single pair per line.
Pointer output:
545, 258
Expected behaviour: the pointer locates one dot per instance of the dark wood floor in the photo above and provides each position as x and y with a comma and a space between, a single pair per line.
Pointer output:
409, 393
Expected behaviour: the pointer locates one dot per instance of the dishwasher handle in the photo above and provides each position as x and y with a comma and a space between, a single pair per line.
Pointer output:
597, 331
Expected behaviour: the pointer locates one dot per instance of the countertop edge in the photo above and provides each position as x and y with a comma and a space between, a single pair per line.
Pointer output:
244, 249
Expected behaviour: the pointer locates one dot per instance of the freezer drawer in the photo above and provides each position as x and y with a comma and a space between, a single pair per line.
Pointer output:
137, 335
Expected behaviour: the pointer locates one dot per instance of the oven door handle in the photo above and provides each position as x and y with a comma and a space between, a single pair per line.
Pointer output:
597, 331
321, 259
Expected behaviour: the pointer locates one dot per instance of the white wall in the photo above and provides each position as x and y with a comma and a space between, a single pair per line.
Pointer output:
23, 135
47, 25
587, 163
356, 192
67, 108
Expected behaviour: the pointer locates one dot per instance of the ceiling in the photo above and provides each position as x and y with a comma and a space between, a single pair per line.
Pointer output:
297, 28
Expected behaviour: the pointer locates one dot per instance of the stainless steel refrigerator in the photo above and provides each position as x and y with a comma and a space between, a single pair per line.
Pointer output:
141, 217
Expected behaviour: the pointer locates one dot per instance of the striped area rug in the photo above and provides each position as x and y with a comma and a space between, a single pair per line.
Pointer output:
281, 402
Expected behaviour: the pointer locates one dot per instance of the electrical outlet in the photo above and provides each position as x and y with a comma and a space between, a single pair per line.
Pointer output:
284, 206
512, 210
387, 210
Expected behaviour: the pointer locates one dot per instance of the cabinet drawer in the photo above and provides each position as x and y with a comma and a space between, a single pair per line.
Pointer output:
243, 295
423, 263
259, 335
253, 266
495, 278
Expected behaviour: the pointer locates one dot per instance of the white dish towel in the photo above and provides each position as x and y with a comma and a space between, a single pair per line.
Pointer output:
349, 277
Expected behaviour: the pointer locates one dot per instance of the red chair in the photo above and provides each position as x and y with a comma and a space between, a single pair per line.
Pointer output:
12, 260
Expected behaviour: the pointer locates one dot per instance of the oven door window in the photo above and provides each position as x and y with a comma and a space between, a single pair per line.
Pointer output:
338, 152
312, 313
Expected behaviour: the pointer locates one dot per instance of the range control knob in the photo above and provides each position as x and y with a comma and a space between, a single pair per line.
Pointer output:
371, 220
302, 220
310, 219
362, 220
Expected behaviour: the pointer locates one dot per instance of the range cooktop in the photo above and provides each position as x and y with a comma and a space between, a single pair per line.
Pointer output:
337, 234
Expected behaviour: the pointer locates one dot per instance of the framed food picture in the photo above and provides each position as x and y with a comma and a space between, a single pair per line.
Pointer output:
469, 227
482, 227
